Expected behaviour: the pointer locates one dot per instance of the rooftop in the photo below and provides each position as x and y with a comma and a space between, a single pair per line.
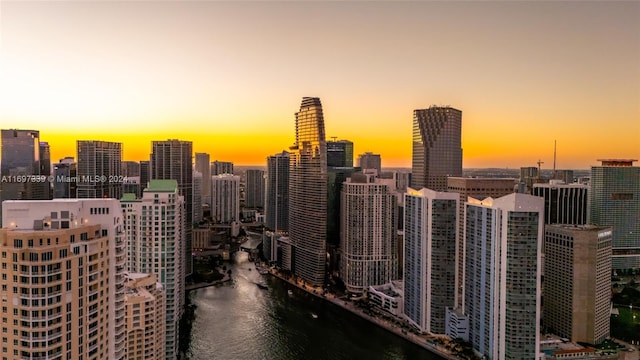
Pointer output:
162, 186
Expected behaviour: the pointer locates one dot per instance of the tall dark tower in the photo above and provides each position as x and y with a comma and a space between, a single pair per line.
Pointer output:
437, 151
172, 160
277, 197
308, 193
20, 157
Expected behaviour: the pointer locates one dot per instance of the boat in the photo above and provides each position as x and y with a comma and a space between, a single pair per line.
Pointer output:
263, 271
262, 286
290, 292
314, 316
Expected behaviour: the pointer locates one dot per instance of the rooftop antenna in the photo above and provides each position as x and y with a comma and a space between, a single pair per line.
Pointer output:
554, 159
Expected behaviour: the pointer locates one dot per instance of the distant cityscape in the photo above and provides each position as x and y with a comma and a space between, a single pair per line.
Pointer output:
99, 254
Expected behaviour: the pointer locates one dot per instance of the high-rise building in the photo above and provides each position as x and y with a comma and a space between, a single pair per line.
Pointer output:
225, 198
340, 153
369, 160
277, 203
198, 181
130, 168
171, 159
437, 151
145, 313
503, 241
65, 179
155, 230
65, 271
403, 180
202, 165
99, 169
308, 193
577, 282
529, 175
430, 227
20, 158
254, 189
563, 203
368, 236
221, 167
615, 202
42, 189
477, 188
565, 175
145, 173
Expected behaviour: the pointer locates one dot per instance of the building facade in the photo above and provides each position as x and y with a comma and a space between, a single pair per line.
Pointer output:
615, 202
368, 236
145, 313
308, 193
221, 167
503, 243
171, 160
563, 203
437, 151
155, 233
370, 161
99, 169
63, 173
340, 153
63, 279
277, 196
577, 282
225, 198
196, 207
21, 155
203, 166
254, 189
477, 188
430, 227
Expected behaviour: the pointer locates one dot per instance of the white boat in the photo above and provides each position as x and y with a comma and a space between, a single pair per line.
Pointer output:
290, 292
314, 316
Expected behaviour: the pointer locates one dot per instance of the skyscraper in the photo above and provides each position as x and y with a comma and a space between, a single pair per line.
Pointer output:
478, 188
368, 236
308, 193
145, 173
277, 204
615, 202
171, 159
225, 198
99, 169
563, 203
221, 167
437, 151
340, 153
130, 168
254, 189
370, 160
503, 241
64, 185
196, 207
577, 282
20, 157
155, 230
71, 283
203, 166
145, 305
430, 227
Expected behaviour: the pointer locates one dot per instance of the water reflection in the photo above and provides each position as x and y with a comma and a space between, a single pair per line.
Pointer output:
242, 321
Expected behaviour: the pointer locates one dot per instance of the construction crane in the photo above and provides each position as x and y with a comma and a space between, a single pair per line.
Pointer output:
540, 162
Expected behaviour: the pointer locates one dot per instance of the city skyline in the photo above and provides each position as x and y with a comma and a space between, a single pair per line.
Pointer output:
524, 74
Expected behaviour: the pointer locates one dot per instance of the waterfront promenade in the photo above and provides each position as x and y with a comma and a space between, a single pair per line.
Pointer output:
424, 341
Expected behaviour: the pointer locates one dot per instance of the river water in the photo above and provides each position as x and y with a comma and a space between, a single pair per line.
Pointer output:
239, 321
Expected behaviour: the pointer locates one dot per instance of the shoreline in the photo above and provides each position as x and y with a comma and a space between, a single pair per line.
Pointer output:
415, 339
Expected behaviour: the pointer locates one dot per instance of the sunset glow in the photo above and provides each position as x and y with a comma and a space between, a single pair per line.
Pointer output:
229, 76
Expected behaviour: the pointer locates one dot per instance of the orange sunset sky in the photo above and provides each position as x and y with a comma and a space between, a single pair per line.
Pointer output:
229, 76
